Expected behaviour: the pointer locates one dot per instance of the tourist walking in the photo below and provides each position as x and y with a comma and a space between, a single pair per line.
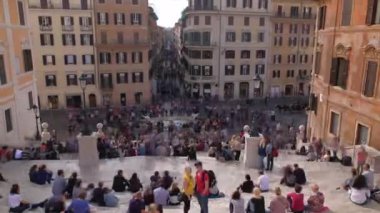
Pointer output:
202, 187
188, 189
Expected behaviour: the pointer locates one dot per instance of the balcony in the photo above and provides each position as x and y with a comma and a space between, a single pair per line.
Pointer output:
85, 28
303, 77
67, 28
195, 8
295, 16
200, 44
46, 27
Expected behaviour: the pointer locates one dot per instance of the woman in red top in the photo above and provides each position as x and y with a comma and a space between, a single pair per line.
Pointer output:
296, 200
361, 158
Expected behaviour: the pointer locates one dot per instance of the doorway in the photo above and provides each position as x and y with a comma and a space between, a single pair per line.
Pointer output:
92, 100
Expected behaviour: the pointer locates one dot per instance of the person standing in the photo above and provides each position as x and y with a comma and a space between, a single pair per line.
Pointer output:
188, 189
369, 176
202, 187
361, 158
236, 147
59, 184
262, 152
269, 155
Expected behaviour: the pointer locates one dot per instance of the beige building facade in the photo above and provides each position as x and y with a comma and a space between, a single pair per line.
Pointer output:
122, 46
226, 48
292, 45
64, 46
17, 81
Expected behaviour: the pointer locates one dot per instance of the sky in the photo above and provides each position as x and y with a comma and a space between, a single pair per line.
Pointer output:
168, 11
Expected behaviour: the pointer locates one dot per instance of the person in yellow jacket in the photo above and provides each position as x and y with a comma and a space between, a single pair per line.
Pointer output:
188, 188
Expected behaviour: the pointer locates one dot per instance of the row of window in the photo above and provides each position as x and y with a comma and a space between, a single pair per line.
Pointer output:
294, 12
362, 132
372, 14
230, 20
229, 70
230, 54
293, 41
292, 59
104, 58
105, 79
67, 22
119, 18
28, 65
45, 4
68, 39
340, 71
289, 73
245, 37
293, 28
261, 4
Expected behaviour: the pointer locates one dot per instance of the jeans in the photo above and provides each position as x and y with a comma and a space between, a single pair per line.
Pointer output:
237, 155
270, 162
262, 166
203, 203
186, 201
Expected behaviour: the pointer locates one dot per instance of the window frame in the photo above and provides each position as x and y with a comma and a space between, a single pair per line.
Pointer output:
365, 78
331, 130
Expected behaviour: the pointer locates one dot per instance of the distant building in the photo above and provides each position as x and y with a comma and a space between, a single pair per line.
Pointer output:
63, 38
292, 46
345, 86
17, 81
226, 48
122, 42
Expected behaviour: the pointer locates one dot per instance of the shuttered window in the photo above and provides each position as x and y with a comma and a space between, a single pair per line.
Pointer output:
370, 79
322, 17
339, 72
346, 12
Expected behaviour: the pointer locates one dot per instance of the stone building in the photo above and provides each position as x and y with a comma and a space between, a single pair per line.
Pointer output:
64, 51
18, 92
225, 47
345, 85
292, 45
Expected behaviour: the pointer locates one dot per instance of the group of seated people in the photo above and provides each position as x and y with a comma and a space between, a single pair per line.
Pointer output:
293, 202
40, 175
262, 183
361, 187
293, 175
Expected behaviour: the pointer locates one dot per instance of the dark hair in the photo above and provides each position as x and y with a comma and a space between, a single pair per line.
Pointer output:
82, 195
119, 172
134, 176
60, 172
360, 182
354, 172
15, 189
261, 172
42, 167
74, 175
100, 184
295, 165
367, 166
90, 186
247, 177
166, 173
236, 195
288, 170
156, 173
298, 188
78, 183
33, 168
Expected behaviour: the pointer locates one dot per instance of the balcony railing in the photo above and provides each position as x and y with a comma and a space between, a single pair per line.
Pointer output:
126, 42
295, 16
86, 28
303, 77
200, 44
67, 27
202, 8
46, 28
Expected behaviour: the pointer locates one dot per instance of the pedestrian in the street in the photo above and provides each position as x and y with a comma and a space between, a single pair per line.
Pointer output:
188, 189
269, 155
202, 187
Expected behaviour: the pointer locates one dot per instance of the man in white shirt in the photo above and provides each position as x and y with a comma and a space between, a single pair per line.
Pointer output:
263, 182
161, 196
369, 176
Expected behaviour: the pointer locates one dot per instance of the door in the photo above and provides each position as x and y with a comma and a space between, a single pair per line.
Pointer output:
123, 99
92, 100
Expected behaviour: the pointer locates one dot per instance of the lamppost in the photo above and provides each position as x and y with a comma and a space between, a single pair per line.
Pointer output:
35, 110
257, 84
83, 85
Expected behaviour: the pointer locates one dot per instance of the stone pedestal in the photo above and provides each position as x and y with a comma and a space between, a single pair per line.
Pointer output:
251, 155
88, 157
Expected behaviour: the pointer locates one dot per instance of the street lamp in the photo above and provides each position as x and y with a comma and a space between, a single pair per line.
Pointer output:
35, 110
257, 83
83, 85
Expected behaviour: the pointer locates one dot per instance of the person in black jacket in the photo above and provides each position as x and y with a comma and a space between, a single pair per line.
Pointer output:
248, 185
167, 180
119, 182
98, 195
71, 183
300, 175
134, 184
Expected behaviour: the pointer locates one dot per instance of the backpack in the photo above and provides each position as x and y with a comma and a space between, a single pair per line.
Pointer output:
275, 152
376, 196
302, 150
346, 161
204, 172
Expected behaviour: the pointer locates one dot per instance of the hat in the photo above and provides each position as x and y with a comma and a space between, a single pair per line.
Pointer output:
198, 163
